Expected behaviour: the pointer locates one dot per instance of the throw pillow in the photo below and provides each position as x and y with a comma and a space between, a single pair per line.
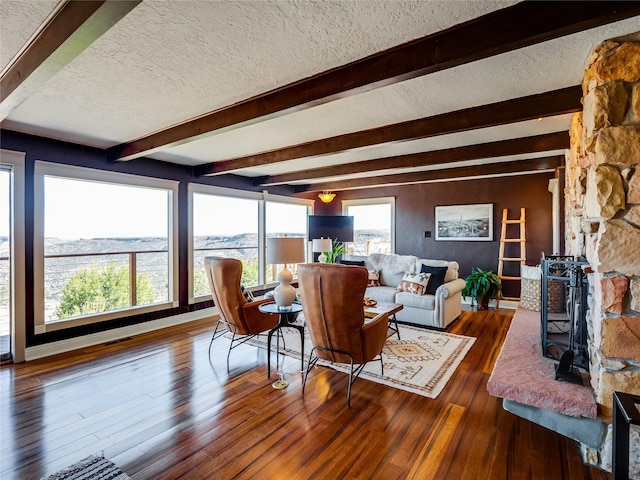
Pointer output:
374, 278
247, 293
414, 283
357, 263
437, 277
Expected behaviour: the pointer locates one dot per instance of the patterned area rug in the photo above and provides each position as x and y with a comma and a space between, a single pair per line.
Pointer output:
91, 468
422, 361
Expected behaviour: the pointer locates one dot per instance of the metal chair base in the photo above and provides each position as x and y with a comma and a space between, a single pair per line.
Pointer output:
354, 370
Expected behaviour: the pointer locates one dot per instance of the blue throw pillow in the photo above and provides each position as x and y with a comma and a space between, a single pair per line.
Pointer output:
357, 263
436, 279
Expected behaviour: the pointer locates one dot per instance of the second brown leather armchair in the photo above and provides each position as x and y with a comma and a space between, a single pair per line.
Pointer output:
332, 301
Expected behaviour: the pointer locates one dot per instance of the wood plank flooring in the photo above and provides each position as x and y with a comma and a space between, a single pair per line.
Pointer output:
160, 408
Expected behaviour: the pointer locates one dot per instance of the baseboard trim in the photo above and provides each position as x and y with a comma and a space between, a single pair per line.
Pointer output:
507, 304
63, 346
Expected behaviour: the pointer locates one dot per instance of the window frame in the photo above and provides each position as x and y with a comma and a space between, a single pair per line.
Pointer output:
356, 202
16, 166
262, 198
43, 169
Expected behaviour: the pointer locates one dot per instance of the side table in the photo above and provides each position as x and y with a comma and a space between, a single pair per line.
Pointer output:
287, 316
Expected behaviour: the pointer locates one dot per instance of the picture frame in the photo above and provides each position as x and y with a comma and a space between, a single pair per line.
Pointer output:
465, 222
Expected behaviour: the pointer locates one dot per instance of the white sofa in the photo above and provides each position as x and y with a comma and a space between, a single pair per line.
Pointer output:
435, 311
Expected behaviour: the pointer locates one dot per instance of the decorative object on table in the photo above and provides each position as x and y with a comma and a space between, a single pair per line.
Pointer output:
94, 467
369, 302
482, 286
284, 251
326, 196
322, 245
238, 315
465, 222
422, 362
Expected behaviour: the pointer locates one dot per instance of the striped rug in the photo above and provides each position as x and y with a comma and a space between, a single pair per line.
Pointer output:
91, 468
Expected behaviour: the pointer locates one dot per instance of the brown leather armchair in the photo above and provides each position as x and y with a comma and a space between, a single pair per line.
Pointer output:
332, 301
241, 317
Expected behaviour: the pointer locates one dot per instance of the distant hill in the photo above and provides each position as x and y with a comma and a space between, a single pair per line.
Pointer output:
58, 271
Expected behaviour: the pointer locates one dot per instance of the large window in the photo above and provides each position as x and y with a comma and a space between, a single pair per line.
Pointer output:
103, 246
226, 227
373, 224
231, 223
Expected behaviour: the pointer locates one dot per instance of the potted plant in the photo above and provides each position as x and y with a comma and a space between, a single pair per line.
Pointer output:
337, 249
482, 286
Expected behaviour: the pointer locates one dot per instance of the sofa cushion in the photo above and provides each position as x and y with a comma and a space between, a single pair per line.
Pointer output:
381, 294
427, 302
416, 284
452, 267
247, 293
436, 279
374, 278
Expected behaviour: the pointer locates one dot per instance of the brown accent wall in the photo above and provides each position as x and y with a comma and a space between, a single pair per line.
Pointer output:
415, 214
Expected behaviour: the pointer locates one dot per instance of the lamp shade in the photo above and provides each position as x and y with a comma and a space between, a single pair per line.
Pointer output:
285, 250
321, 245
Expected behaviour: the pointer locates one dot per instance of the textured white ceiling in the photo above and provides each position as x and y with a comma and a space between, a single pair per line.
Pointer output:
19, 20
169, 60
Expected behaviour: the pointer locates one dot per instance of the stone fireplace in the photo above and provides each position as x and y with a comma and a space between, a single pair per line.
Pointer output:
602, 223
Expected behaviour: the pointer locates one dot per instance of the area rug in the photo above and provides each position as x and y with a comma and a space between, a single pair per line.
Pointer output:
422, 361
91, 468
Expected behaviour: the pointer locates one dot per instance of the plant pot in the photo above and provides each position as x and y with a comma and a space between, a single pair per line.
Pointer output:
483, 303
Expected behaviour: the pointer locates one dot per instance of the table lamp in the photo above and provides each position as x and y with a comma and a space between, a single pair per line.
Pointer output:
285, 250
322, 245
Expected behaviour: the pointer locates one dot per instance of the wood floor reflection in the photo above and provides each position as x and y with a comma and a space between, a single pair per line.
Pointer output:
159, 408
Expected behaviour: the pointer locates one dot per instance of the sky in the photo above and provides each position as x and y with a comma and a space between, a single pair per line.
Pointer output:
84, 209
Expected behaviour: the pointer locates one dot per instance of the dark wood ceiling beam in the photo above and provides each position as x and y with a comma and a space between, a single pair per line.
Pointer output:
516, 146
514, 167
75, 26
507, 29
557, 102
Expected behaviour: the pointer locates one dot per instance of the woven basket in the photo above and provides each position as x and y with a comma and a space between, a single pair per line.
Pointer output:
531, 291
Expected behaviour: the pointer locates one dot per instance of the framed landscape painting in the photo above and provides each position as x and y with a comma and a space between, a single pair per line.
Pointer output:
465, 222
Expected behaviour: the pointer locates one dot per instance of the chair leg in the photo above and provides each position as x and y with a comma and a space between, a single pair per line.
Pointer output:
217, 335
354, 370
312, 362
213, 337
351, 380
233, 337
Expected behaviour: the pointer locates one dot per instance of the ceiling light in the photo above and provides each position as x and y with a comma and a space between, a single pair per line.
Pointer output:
326, 196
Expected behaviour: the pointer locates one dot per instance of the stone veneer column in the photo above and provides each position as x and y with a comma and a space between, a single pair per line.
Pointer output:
602, 206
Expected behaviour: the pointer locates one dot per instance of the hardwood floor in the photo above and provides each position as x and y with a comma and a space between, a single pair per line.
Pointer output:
160, 409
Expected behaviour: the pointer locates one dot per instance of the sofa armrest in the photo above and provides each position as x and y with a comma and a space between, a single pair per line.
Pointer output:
448, 304
449, 289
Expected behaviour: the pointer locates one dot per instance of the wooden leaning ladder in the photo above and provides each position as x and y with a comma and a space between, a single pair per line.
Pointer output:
522, 240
